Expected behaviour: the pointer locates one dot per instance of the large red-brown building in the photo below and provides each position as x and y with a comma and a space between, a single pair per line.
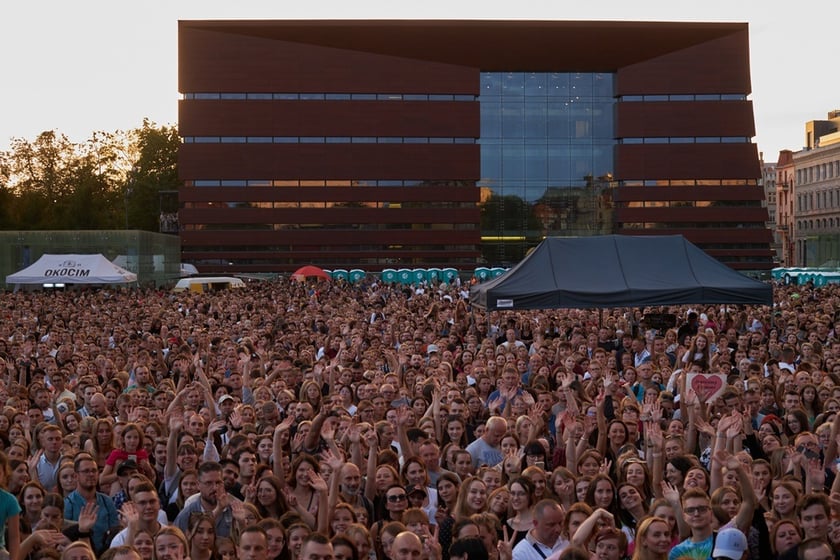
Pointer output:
376, 144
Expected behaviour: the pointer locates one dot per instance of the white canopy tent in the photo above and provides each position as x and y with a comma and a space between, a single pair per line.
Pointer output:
72, 269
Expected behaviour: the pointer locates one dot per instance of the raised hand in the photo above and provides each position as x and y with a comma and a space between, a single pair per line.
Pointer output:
605, 518
297, 442
725, 423
328, 431
130, 514
704, 427
87, 516
285, 424
48, 538
656, 412
334, 461
239, 512
403, 417
355, 433
176, 421
609, 381
250, 492
317, 483
431, 546
737, 425
653, 433
670, 492
215, 426
535, 413
291, 499
236, 419
505, 544
371, 439
568, 378
726, 459
222, 501
816, 473
495, 404
32, 462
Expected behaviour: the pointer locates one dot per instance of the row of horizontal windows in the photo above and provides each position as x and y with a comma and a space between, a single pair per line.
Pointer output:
320, 96
506, 87
324, 140
692, 225
814, 173
731, 246
380, 204
819, 223
690, 204
687, 140
253, 226
825, 200
685, 97
393, 260
356, 248
574, 85
742, 258
294, 183
689, 183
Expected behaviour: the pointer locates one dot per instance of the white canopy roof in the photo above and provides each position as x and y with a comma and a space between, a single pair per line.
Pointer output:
72, 269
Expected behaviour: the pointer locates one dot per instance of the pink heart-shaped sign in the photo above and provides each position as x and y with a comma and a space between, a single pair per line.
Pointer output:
706, 385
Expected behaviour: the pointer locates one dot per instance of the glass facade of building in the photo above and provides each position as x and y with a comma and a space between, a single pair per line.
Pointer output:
547, 150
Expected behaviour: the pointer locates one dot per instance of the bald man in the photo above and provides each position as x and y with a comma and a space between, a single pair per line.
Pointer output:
486, 450
98, 406
406, 546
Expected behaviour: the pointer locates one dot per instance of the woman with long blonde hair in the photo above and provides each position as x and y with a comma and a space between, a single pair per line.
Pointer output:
653, 539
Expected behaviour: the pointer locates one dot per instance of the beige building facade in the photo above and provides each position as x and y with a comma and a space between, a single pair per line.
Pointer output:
818, 194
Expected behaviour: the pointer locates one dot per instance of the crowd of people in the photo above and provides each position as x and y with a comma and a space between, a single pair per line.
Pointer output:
329, 421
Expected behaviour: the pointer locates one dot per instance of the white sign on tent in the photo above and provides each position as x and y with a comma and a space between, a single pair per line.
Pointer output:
72, 269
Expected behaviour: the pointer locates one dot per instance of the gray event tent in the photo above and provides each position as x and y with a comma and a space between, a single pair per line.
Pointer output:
618, 271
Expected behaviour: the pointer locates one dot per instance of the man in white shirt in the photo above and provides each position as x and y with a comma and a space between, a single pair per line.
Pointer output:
544, 539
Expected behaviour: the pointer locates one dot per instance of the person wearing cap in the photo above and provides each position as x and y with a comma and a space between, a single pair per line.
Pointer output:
730, 544
226, 406
416, 496
124, 472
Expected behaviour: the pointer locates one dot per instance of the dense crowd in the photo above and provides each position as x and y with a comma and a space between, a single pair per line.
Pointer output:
321, 421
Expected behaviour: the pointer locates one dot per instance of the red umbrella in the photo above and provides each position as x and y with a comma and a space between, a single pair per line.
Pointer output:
309, 271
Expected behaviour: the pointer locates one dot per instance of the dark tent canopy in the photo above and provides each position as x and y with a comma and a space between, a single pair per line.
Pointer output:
618, 271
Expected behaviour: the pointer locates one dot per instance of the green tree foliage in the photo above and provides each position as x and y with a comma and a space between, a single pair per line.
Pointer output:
110, 181
154, 171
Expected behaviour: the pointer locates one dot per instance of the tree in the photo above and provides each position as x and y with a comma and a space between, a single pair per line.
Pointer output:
154, 169
112, 180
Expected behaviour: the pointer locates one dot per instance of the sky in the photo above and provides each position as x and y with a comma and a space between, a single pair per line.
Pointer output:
79, 67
